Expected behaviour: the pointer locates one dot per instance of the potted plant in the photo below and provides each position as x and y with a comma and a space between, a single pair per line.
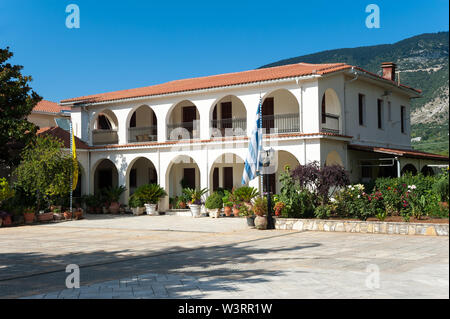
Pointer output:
227, 203
278, 208
5, 219
67, 214
57, 213
245, 195
45, 217
214, 204
248, 214
195, 202
28, 215
150, 195
113, 194
260, 209
136, 204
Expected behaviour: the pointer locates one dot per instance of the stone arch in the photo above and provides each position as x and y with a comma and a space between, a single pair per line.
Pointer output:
330, 111
145, 173
409, 168
106, 133
182, 166
226, 171
101, 178
427, 171
224, 122
183, 128
281, 111
145, 124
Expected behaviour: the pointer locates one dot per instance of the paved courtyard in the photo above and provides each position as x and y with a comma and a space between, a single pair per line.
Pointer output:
183, 257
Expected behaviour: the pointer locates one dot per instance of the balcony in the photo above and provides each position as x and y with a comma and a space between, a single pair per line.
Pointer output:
229, 127
102, 137
330, 123
183, 131
142, 134
281, 123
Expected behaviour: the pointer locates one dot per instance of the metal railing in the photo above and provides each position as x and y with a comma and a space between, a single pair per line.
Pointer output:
142, 134
183, 131
229, 127
331, 124
102, 137
281, 123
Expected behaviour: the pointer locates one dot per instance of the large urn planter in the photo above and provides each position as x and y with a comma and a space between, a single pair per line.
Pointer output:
150, 209
28, 217
67, 215
214, 213
45, 217
235, 212
261, 222
195, 210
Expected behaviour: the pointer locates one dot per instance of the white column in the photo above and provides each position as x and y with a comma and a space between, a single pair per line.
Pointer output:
162, 115
251, 103
204, 109
122, 125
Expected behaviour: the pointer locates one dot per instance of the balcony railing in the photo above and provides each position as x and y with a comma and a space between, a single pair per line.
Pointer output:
102, 137
281, 123
183, 131
331, 124
229, 127
142, 134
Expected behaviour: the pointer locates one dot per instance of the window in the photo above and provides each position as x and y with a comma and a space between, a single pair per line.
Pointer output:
324, 110
402, 118
133, 178
389, 111
361, 102
380, 113
133, 120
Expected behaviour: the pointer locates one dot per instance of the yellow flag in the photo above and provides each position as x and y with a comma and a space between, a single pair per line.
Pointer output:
75, 162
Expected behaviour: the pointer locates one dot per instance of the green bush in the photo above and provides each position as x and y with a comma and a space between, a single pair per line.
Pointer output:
214, 201
149, 194
322, 212
245, 194
299, 202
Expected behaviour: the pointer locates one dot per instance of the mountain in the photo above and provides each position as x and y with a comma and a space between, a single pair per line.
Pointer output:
423, 63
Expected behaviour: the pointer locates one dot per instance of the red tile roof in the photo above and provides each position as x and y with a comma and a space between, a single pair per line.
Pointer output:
221, 80
62, 135
49, 107
399, 152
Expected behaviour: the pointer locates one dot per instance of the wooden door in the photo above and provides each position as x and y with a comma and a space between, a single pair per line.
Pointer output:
226, 114
228, 178
215, 179
189, 177
268, 114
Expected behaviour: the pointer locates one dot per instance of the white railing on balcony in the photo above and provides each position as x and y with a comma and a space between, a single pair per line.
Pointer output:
281, 123
183, 131
102, 137
331, 124
142, 134
229, 127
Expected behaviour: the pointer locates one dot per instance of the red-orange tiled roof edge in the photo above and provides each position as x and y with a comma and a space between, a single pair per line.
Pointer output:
63, 136
49, 107
400, 152
227, 79
214, 81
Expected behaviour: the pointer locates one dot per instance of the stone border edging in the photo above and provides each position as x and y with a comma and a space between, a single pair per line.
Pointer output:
366, 227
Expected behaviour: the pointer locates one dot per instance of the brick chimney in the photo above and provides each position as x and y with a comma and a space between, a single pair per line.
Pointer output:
388, 70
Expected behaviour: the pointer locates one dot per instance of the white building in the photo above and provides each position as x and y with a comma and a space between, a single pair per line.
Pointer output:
198, 129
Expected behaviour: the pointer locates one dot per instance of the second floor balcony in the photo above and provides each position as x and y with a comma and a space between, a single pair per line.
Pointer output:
330, 123
104, 136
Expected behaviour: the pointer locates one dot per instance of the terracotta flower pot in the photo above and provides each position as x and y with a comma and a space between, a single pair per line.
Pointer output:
45, 217
236, 212
7, 221
227, 211
29, 217
114, 208
79, 214
182, 205
67, 215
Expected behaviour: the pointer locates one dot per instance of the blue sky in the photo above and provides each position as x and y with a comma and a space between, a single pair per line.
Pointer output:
127, 44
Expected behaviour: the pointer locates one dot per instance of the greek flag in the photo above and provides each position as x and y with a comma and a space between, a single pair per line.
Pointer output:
251, 169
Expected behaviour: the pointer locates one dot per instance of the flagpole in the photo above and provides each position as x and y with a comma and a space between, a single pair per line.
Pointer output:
261, 177
71, 169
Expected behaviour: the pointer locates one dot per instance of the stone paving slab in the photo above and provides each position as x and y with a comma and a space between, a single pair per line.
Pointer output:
139, 262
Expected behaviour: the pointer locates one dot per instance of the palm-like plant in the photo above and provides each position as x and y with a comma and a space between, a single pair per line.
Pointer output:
195, 194
113, 193
149, 193
246, 194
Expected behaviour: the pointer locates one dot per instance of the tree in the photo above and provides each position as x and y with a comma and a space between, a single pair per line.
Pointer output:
17, 100
45, 171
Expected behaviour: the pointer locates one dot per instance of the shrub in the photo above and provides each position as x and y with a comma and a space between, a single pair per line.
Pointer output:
112, 194
322, 212
214, 201
195, 195
441, 187
245, 193
352, 202
6, 191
